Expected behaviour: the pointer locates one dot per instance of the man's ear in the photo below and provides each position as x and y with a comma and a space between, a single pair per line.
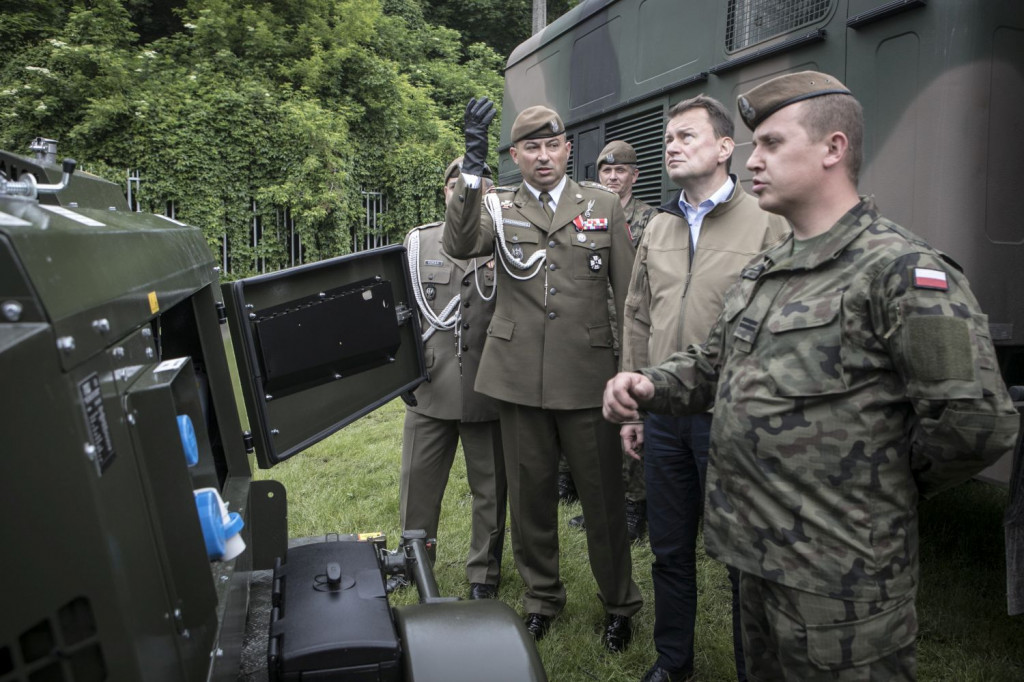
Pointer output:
837, 145
513, 153
726, 145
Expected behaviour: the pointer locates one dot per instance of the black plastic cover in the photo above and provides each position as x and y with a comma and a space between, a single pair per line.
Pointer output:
331, 618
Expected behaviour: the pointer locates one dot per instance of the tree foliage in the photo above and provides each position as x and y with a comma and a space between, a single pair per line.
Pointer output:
303, 104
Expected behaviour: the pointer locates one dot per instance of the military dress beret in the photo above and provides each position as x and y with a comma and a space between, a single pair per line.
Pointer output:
455, 167
536, 122
617, 152
758, 104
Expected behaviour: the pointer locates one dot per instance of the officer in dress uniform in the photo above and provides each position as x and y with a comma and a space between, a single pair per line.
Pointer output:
549, 350
455, 298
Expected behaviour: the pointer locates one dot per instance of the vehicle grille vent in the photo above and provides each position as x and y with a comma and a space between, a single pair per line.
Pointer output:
64, 646
645, 131
571, 165
750, 22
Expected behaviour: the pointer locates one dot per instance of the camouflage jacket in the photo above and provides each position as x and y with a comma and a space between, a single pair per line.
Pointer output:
848, 379
638, 214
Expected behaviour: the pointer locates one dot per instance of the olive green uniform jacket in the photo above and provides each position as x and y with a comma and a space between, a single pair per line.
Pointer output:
672, 303
452, 357
849, 380
550, 342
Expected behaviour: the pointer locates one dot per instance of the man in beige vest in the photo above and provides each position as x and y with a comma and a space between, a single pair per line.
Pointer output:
455, 299
549, 350
691, 252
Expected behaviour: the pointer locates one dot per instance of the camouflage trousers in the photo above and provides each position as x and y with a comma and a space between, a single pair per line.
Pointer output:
793, 635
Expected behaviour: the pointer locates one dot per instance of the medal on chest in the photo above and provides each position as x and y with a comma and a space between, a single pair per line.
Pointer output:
595, 262
430, 291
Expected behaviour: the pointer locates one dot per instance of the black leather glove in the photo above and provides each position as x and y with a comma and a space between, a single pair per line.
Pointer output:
478, 116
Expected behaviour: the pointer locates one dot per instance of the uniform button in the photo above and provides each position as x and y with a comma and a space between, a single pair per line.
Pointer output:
465, 304
552, 267
465, 325
465, 282
551, 243
465, 347
552, 316
552, 291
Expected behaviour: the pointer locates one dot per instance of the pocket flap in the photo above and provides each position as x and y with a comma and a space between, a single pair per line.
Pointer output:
435, 274
501, 328
842, 645
806, 314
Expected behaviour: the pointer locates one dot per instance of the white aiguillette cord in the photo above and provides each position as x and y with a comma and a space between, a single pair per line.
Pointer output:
449, 317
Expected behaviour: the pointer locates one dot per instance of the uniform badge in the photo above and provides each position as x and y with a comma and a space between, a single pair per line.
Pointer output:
580, 237
517, 251
595, 262
506, 204
435, 263
590, 208
595, 225
430, 291
746, 109
924, 278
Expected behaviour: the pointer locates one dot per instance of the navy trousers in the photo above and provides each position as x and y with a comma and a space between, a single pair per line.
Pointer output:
675, 462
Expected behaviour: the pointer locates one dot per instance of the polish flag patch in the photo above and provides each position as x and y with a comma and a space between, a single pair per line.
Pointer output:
925, 278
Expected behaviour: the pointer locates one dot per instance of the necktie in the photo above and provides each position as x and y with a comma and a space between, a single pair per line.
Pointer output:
545, 202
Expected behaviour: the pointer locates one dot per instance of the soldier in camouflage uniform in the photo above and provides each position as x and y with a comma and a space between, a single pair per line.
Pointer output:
852, 374
557, 245
617, 170
456, 300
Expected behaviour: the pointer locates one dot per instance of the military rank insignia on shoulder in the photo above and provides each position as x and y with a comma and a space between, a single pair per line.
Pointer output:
595, 185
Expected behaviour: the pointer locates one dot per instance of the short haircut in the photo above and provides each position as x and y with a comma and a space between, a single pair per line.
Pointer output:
719, 116
827, 114
721, 121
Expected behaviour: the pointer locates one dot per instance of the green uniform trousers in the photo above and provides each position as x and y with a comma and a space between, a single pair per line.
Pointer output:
428, 450
532, 440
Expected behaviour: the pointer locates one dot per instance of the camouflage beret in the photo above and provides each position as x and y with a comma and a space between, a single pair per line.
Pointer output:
536, 122
758, 104
455, 167
617, 152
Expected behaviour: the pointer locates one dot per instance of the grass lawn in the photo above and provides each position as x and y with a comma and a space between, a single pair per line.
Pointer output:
349, 483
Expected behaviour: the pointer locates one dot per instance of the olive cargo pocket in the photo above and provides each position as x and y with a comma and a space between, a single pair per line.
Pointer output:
806, 347
834, 646
601, 336
501, 328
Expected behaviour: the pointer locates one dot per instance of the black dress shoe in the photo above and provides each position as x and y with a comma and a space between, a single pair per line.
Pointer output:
659, 674
578, 522
567, 488
618, 631
482, 591
537, 625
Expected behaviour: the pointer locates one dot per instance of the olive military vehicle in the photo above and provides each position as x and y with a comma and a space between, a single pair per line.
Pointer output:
136, 544
941, 81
